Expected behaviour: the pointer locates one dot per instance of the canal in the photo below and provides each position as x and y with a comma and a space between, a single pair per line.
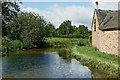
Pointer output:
43, 63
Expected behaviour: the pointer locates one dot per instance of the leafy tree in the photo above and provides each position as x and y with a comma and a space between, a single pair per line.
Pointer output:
66, 28
50, 30
9, 10
29, 28
72, 29
81, 31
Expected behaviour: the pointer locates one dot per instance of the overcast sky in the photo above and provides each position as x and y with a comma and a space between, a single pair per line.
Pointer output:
57, 11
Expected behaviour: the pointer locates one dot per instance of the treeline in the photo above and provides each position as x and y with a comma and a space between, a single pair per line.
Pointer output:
28, 30
66, 30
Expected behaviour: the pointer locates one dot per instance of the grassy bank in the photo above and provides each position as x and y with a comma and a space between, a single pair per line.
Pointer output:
66, 42
93, 57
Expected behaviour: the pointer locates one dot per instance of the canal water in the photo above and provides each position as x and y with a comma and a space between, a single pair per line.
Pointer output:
43, 63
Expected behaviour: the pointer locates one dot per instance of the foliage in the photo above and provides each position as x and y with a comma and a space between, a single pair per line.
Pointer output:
10, 45
81, 32
66, 30
50, 30
83, 42
29, 28
9, 10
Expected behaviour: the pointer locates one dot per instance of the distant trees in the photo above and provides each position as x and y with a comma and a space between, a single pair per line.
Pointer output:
81, 31
50, 30
67, 30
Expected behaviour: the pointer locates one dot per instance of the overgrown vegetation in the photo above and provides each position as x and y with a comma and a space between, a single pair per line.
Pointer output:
10, 45
66, 42
93, 57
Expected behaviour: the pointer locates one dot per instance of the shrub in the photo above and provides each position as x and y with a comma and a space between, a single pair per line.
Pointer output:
82, 42
5, 41
10, 45
15, 45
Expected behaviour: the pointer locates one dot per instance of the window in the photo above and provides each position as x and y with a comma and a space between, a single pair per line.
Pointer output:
107, 20
95, 25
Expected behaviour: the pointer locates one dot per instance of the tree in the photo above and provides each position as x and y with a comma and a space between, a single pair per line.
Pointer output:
66, 28
72, 29
9, 9
29, 28
81, 31
50, 30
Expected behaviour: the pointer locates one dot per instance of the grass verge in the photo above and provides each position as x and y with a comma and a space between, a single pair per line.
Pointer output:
93, 57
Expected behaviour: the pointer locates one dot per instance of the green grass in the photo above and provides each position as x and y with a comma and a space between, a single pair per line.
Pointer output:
66, 42
93, 57
95, 53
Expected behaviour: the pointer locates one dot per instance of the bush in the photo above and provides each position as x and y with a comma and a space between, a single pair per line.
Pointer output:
83, 42
10, 45
15, 45
5, 42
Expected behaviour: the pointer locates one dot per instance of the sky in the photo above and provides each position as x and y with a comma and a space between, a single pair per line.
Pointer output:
79, 12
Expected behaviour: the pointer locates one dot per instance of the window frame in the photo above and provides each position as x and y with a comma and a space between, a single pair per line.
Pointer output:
94, 24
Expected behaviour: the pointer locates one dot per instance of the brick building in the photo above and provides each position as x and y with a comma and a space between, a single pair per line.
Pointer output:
105, 31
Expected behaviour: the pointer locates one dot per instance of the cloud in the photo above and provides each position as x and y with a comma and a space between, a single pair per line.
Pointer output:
57, 14
36, 10
77, 14
106, 4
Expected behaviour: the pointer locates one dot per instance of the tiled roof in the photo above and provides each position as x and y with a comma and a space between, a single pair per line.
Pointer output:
107, 19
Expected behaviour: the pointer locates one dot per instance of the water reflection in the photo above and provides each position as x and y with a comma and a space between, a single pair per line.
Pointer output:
55, 64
